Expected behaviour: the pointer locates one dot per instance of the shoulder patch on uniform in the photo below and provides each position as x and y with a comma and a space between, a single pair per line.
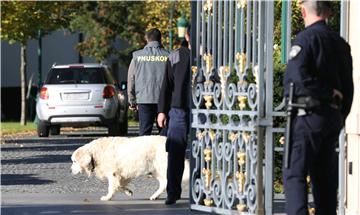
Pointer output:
294, 51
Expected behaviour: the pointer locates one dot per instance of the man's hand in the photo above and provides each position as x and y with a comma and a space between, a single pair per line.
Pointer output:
133, 107
161, 120
337, 93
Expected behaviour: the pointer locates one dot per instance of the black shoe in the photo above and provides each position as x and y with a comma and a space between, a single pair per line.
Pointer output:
171, 200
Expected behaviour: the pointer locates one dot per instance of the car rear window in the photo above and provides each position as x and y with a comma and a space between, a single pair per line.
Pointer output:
79, 76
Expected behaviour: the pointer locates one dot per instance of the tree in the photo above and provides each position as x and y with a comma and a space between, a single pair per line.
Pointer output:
103, 23
158, 16
21, 21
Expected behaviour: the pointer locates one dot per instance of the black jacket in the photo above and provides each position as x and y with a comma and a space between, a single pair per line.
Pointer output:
175, 89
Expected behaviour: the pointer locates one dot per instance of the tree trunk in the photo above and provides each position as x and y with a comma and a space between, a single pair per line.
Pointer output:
23, 84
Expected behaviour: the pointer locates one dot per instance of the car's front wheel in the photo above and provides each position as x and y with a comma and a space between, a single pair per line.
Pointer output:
43, 129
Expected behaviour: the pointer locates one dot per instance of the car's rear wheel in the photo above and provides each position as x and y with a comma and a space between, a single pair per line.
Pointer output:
42, 129
55, 130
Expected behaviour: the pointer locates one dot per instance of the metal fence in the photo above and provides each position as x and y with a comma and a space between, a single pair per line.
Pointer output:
233, 114
232, 151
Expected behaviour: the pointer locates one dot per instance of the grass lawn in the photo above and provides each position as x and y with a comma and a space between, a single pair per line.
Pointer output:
9, 128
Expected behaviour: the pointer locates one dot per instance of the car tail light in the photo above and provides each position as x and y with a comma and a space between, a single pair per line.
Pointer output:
44, 93
108, 92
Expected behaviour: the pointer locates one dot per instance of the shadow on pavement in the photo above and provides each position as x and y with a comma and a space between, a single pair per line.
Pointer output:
23, 179
39, 159
49, 140
93, 136
44, 148
279, 205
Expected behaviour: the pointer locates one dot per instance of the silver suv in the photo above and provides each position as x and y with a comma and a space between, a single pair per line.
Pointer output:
81, 95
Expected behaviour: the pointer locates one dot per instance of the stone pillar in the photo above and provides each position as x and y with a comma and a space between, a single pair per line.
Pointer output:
353, 120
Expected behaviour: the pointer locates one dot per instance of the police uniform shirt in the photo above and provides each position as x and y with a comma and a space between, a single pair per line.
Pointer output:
319, 62
175, 87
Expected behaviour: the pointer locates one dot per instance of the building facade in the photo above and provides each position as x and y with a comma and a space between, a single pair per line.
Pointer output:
57, 47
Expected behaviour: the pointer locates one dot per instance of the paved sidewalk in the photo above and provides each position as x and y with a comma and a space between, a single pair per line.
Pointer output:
36, 180
87, 204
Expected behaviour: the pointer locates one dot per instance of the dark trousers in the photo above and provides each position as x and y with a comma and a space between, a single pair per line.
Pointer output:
147, 116
175, 146
314, 139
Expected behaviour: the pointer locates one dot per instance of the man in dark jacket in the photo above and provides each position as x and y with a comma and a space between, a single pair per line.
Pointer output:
320, 69
174, 107
145, 75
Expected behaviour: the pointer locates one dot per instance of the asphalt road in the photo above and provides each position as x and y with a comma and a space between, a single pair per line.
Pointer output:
36, 179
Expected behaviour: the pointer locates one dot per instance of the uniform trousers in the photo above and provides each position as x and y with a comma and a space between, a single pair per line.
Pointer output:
314, 138
176, 146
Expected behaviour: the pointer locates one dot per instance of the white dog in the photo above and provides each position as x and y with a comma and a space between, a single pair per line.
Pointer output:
121, 159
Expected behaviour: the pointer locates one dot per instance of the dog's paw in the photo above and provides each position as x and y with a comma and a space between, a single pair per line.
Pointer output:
153, 197
128, 192
105, 198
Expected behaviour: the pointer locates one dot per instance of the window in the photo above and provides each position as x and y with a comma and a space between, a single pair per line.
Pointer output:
79, 76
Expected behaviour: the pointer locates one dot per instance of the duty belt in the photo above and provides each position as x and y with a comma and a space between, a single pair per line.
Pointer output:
311, 103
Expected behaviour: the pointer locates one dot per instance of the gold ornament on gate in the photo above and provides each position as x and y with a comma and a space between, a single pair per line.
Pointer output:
233, 136
241, 4
207, 176
208, 62
208, 83
308, 180
194, 72
241, 58
241, 181
223, 70
208, 202
242, 102
311, 211
241, 158
207, 153
200, 135
241, 207
208, 5
212, 135
208, 99
246, 137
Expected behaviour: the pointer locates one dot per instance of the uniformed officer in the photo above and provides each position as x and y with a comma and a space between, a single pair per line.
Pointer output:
145, 75
174, 107
320, 67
